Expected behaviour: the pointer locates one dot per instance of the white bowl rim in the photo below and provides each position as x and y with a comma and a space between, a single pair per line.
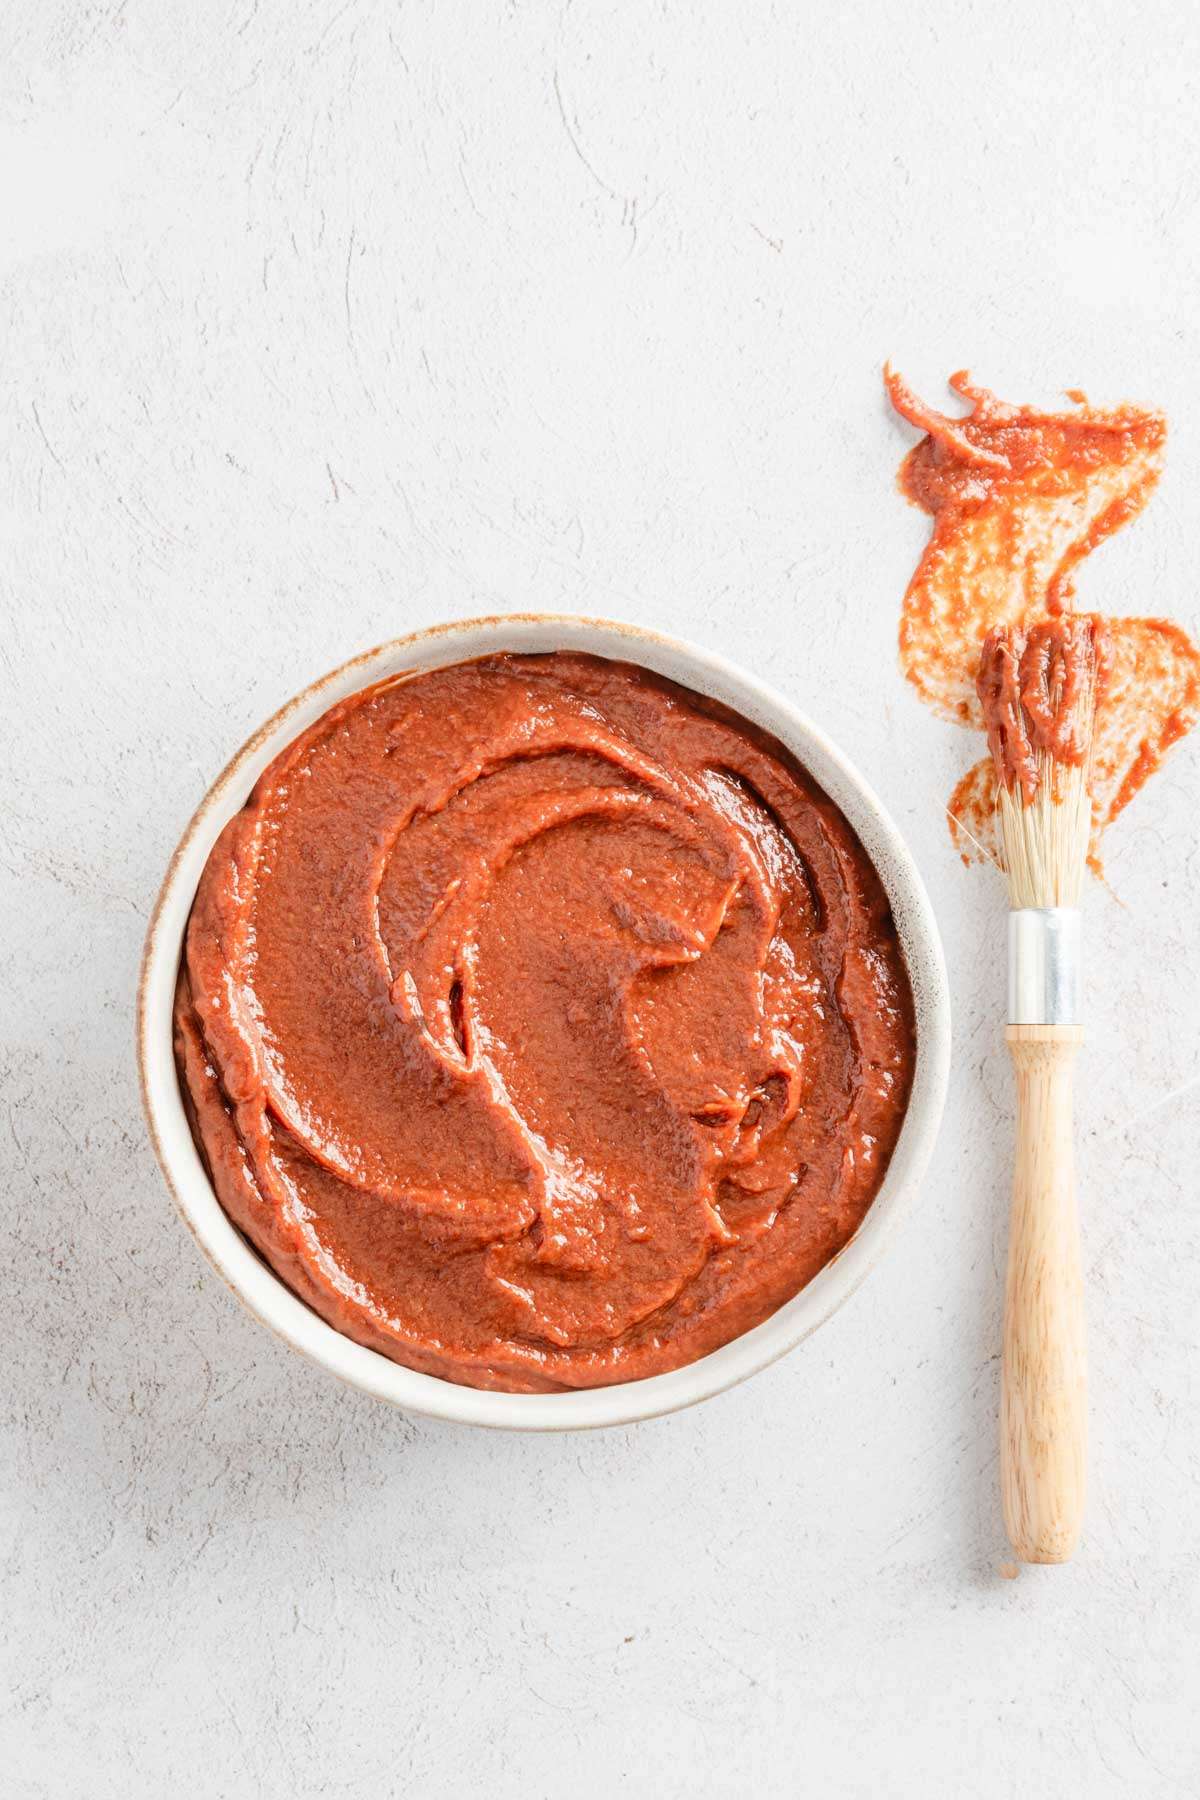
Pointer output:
253, 1281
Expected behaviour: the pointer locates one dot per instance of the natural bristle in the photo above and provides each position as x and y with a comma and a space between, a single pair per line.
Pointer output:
1039, 690
1044, 841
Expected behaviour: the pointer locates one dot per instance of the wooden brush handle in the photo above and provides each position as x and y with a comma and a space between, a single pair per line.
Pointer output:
1043, 1391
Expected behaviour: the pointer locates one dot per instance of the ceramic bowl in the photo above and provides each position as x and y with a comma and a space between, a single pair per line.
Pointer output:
254, 1282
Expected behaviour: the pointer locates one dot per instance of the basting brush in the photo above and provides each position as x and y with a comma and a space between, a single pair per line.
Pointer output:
1039, 689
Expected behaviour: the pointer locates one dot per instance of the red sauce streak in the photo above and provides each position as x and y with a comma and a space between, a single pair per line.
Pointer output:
1018, 498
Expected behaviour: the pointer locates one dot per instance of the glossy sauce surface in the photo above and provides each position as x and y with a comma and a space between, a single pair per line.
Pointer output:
541, 1023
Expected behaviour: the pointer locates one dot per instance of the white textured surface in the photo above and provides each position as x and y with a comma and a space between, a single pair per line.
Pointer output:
323, 321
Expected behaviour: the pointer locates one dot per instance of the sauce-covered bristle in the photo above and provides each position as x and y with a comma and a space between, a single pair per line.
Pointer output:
1039, 689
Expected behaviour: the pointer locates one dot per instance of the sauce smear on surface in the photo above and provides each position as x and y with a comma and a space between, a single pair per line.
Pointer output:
1018, 498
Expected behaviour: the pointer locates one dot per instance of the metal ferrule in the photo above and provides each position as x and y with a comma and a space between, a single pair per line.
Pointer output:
1043, 966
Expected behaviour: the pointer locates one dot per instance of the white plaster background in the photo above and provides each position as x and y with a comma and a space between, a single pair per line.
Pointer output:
322, 321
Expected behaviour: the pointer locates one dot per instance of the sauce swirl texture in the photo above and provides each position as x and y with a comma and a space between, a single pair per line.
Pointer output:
541, 1023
